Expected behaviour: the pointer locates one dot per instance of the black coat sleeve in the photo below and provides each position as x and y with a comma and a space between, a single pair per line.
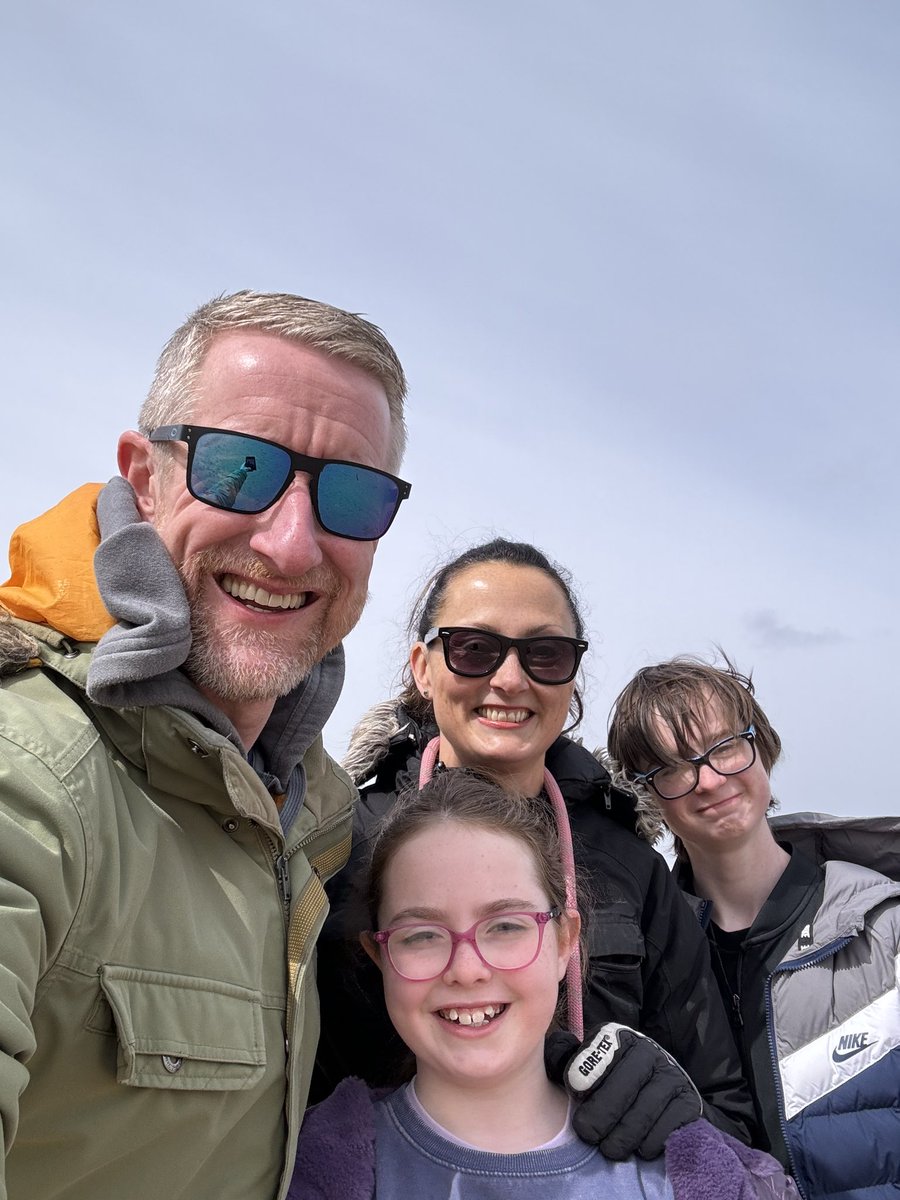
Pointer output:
648, 964
357, 1037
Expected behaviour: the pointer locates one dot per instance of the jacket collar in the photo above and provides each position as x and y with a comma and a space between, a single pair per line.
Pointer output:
386, 732
851, 893
177, 751
784, 904
129, 632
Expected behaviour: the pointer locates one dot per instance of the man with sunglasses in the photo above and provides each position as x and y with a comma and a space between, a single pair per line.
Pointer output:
803, 920
171, 648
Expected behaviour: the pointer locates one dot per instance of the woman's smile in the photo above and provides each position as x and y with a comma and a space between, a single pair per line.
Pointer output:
503, 716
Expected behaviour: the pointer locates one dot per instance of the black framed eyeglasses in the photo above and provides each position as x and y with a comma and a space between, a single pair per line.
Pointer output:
477, 652
728, 757
504, 942
245, 474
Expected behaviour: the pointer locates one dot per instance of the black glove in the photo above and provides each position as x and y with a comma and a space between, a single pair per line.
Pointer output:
629, 1093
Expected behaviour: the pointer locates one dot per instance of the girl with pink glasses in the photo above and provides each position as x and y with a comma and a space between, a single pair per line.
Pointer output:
472, 937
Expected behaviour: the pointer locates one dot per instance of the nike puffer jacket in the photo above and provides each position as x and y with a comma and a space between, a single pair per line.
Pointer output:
820, 996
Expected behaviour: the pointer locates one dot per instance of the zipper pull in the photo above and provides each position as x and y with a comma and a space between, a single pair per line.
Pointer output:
284, 879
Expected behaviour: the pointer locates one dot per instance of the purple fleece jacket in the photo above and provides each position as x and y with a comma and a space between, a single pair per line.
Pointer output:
336, 1157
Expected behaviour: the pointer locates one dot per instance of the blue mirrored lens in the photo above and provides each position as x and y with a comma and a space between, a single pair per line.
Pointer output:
236, 472
356, 502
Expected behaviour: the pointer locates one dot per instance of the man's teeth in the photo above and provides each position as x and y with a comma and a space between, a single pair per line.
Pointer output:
511, 715
253, 594
472, 1016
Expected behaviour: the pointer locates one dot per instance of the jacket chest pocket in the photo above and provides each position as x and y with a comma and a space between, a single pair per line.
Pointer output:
615, 986
183, 1033
616, 941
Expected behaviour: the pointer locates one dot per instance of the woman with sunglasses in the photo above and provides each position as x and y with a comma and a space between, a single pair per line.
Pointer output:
471, 932
805, 946
498, 639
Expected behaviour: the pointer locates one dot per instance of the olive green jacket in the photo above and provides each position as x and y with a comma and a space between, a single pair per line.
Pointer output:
158, 1013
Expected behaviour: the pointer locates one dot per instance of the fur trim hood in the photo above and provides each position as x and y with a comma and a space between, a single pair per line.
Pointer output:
383, 727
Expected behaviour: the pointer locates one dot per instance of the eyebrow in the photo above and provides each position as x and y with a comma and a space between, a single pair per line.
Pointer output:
437, 916
714, 741
665, 756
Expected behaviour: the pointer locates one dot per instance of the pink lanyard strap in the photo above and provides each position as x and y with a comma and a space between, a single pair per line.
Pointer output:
560, 812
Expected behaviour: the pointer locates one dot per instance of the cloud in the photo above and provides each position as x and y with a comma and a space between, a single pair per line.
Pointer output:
768, 630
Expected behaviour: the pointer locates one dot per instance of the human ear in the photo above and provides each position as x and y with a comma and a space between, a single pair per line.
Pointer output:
421, 670
137, 465
371, 948
569, 930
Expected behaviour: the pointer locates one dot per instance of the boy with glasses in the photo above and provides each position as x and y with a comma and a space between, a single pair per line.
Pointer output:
805, 946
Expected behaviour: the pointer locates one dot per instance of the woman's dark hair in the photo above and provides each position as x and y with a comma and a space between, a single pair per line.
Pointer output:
433, 594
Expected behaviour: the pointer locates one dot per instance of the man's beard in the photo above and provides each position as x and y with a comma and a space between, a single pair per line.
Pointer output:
241, 665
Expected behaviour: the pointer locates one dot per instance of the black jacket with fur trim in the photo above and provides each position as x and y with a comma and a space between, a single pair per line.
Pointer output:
648, 959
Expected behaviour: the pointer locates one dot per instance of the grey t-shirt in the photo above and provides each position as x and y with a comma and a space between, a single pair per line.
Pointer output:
414, 1160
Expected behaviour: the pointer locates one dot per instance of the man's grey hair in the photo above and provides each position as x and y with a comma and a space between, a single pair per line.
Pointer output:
341, 334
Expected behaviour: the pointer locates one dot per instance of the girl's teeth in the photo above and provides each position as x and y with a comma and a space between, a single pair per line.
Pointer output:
472, 1016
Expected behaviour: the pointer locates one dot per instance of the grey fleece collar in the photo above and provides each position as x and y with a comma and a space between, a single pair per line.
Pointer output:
137, 663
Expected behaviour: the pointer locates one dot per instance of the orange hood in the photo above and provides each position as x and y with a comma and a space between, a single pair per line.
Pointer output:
52, 563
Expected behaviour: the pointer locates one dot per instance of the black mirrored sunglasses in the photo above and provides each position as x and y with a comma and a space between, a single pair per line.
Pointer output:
477, 652
246, 474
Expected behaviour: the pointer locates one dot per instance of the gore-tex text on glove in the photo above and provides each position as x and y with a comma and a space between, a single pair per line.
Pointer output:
630, 1094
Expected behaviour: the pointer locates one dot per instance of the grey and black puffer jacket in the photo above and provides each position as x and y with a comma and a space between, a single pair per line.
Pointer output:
818, 1008
648, 959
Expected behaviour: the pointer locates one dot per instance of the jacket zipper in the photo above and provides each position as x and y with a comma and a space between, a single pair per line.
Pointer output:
284, 879
279, 862
317, 833
798, 965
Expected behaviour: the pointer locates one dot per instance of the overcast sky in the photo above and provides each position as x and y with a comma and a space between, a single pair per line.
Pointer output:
641, 262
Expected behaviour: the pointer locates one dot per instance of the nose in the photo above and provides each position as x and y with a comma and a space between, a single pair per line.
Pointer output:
466, 965
287, 535
509, 676
707, 779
